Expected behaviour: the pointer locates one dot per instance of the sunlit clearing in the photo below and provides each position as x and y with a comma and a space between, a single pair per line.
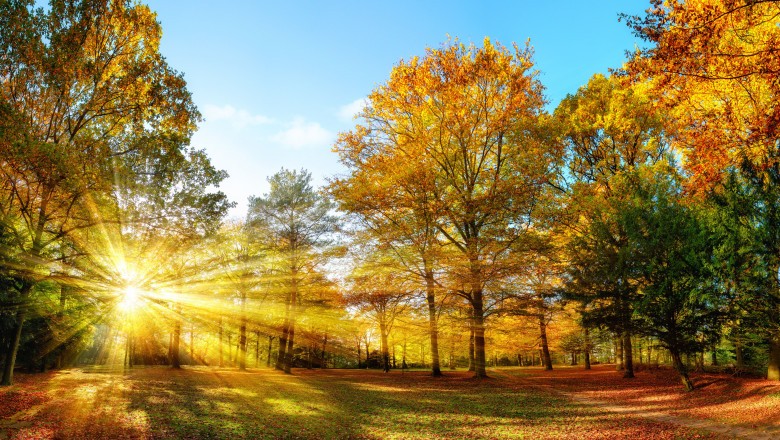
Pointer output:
131, 299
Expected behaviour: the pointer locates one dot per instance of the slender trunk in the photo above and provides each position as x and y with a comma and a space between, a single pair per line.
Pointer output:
740, 359
192, 347
619, 353
288, 355
384, 348
773, 371
221, 361
270, 347
368, 353
629, 373
587, 349
546, 359
358, 352
175, 357
242, 343
471, 343
682, 370
714, 357
13, 348
324, 352
281, 353
433, 325
257, 348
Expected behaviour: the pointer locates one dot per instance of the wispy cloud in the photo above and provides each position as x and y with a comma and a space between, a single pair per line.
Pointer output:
347, 112
238, 117
301, 134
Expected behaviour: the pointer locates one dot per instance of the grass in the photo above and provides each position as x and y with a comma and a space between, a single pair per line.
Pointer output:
208, 403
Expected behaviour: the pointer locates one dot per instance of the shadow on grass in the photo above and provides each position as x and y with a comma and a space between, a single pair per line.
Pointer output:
211, 403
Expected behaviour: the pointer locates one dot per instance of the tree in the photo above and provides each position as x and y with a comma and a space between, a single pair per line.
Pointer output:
401, 217
714, 65
92, 103
608, 129
678, 302
465, 118
380, 293
297, 225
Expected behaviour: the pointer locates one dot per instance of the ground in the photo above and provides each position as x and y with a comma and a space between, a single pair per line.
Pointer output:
201, 402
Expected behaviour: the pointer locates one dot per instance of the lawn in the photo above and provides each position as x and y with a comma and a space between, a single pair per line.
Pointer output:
159, 402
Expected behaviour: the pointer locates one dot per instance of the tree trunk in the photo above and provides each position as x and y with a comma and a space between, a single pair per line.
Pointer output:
270, 348
479, 336
281, 353
175, 348
324, 352
773, 371
242, 335
221, 361
587, 349
432, 320
13, 347
288, 355
385, 350
472, 363
681, 370
619, 353
257, 348
546, 359
242, 346
629, 373
358, 352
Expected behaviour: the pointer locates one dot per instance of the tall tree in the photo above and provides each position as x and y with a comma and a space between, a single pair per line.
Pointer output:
608, 129
466, 115
90, 92
298, 224
714, 64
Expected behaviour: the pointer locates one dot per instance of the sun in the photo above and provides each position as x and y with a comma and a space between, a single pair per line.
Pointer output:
131, 299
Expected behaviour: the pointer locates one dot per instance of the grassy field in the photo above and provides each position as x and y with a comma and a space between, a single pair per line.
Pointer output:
158, 402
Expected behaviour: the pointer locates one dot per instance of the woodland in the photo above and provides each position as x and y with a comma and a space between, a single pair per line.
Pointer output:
476, 236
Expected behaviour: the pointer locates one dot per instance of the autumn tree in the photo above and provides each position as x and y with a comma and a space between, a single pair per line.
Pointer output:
296, 224
714, 65
382, 294
93, 103
463, 117
608, 129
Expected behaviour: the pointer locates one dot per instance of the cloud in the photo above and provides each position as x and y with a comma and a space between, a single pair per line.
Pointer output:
303, 134
238, 118
347, 112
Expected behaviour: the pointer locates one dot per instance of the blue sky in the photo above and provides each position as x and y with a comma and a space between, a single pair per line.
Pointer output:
277, 80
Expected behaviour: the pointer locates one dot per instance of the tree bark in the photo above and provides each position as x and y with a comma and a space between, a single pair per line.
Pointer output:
242, 346
472, 363
773, 370
13, 347
587, 349
282, 352
629, 361
619, 353
175, 355
433, 326
221, 361
479, 336
681, 370
385, 350
270, 348
546, 359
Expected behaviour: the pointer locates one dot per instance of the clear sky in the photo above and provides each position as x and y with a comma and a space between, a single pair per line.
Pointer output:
277, 80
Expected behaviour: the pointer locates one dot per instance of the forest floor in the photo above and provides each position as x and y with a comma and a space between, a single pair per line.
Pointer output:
208, 403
